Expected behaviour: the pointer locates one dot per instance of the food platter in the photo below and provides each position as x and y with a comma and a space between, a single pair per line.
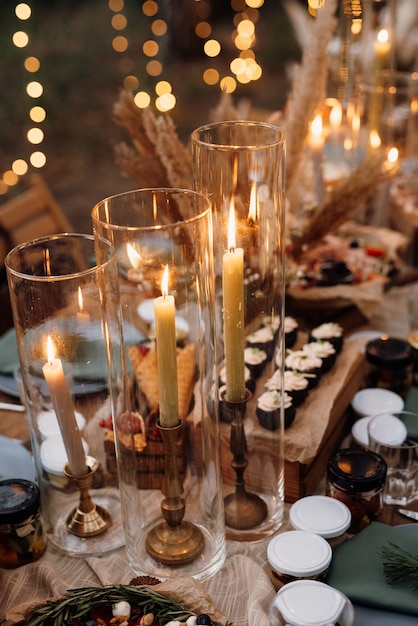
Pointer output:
131, 604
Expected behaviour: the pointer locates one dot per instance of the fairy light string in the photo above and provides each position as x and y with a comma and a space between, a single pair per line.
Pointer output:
36, 112
163, 97
243, 67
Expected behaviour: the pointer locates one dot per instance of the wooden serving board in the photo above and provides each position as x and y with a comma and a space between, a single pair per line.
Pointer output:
319, 427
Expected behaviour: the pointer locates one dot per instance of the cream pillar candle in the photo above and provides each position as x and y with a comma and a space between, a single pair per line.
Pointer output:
165, 326
64, 409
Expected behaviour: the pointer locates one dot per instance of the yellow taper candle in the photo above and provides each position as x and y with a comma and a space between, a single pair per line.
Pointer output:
165, 327
233, 315
64, 409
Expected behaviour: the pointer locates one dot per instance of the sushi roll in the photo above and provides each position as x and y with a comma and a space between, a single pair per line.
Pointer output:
330, 331
268, 409
326, 352
307, 364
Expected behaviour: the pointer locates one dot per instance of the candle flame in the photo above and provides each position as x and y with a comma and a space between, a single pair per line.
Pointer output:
133, 256
80, 299
164, 282
355, 124
374, 139
336, 115
154, 207
50, 350
383, 35
47, 262
316, 126
231, 226
254, 210
393, 155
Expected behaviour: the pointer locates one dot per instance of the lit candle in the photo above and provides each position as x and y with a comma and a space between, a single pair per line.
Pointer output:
64, 409
382, 50
135, 259
233, 315
82, 316
165, 328
317, 145
336, 117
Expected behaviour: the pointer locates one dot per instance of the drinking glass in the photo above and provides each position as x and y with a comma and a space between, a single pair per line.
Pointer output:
167, 429
394, 436
59, 295
240, 167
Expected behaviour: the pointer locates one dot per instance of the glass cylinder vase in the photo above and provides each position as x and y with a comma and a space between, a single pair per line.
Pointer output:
240, 167
167, 430
59, 295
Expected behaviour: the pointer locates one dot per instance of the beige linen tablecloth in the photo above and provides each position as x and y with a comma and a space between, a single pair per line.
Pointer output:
242, 589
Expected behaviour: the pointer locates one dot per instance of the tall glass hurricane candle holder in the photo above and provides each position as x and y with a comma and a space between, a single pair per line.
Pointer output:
167, 431
240, 167
59, 296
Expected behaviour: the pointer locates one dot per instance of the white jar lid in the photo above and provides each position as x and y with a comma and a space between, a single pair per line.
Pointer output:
311, 603
387, 429
54, 455
299, 553
372, 401
359, 431
48, 423
322, 515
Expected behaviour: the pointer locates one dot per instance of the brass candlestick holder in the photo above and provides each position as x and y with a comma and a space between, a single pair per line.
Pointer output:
243, 510
88, 519
174, 541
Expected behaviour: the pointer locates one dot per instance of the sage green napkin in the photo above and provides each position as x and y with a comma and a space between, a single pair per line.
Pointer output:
357, 568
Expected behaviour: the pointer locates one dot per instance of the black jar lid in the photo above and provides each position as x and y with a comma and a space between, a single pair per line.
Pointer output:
389, 352
357, 470
19, 499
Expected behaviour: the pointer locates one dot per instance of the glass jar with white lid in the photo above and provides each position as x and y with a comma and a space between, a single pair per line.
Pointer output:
310, 603
322, 515
298, 554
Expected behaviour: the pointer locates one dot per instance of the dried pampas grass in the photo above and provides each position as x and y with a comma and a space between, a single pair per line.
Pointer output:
309, 88
344, 200
156, 157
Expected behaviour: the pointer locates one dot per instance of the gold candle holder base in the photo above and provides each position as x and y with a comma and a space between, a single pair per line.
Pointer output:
174, 541
243, 510
88, 519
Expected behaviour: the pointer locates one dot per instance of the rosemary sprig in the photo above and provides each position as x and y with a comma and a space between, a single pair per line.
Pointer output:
399, 565
80, 602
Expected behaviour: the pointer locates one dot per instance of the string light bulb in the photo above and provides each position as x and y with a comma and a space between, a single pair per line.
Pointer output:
163, 98
37, 114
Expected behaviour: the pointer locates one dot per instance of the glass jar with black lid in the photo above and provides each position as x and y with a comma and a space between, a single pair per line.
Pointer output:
389, 364
357, 477
22, 538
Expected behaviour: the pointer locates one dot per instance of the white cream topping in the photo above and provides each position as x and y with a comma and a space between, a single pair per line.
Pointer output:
262, 335
319, 348
254, 356
293, 381
273, 322
290, 324
301, 361
270, 400
330, 329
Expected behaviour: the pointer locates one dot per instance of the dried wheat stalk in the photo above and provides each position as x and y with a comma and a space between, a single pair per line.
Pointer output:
156, 156
309, 88
344, 200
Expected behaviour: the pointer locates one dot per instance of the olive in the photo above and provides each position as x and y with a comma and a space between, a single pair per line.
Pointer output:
203, 620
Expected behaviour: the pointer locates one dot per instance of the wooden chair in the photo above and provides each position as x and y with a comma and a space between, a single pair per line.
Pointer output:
33, 213
30, 214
